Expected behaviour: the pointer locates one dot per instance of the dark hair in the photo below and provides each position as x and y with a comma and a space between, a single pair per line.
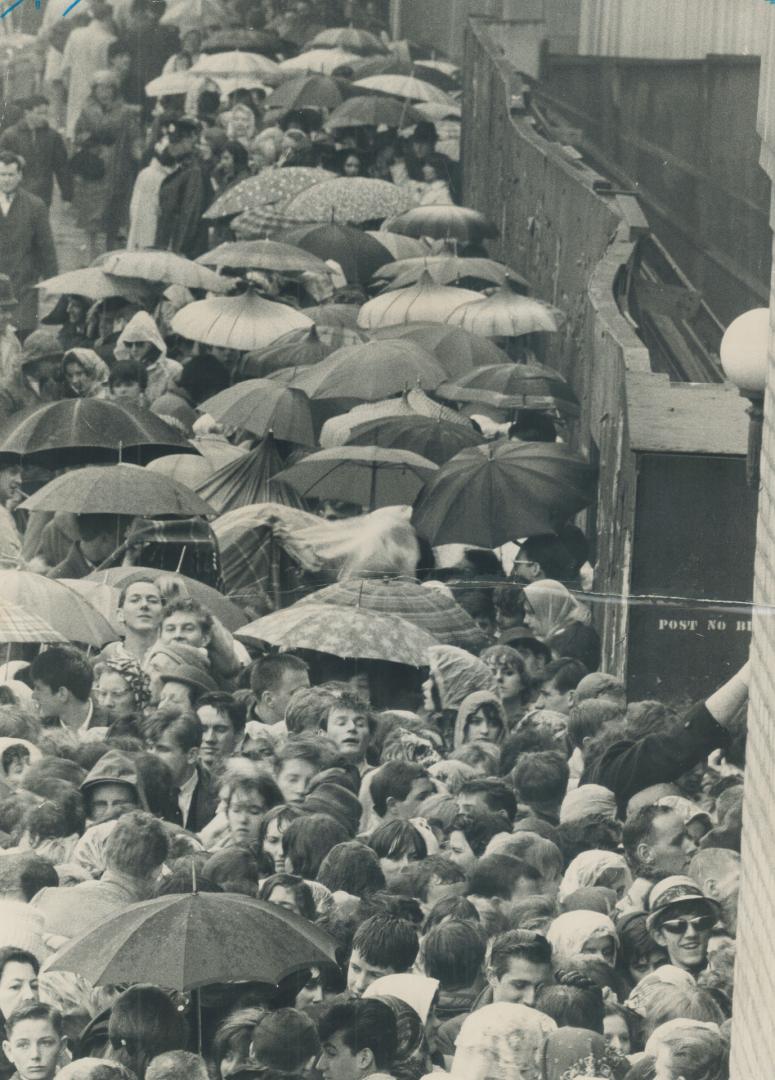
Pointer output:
552, 556
591, 832
450, 907
227, 705
351, 867
387, 942
497, 875
27, 871
267, 673
137, 846
308, 840
127, 371
527, 740
416, 879
453, 953
117, 48
647, 718
392, 839
182, 726
510, 599
564, 674
205, 376
237, 1025
283, 813
498, 796
574, 1001
394, 780
479, 827
13, 755
308, 709
366, 1024
234, 869
143, 1023
532, 425
310, 748
637, 829
11, 955
298, 886
588, 718
7, 158
35, 1010
62, 666
191, 607
518, 945
541, 777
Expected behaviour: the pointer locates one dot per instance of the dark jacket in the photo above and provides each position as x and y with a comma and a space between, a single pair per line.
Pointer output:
45, 156
448, 1031
630, 766
73, 566
205, 800
182, 201
27, 252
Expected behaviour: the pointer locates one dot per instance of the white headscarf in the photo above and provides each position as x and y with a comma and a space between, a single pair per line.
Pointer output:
569, 933
417, 991
586, 868
501, 1042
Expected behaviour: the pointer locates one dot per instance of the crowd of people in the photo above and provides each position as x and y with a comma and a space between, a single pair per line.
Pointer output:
520, 874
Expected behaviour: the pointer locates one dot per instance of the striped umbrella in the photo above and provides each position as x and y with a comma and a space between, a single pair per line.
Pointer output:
18, 624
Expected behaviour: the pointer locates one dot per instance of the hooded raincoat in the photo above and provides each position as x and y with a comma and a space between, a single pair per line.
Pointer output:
162, 372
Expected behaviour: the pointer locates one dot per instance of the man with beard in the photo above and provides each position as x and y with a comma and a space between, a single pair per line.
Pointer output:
43, 150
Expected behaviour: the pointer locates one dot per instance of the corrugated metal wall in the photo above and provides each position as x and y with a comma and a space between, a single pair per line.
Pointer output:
664, 29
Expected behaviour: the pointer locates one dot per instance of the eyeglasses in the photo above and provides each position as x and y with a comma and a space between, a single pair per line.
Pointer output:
680, 926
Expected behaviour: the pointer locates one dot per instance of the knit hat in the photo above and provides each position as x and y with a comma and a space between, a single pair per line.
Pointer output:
284, 1040
338, 803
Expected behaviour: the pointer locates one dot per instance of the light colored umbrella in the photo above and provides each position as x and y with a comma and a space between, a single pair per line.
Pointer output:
195, 14
93, 283
457, 350
305, 92
245, 322
18, 624
192, 470
400, 247
337, 430
372, 110
261, 407
423, 302
264, 255
443, 269
174, 82
165, 268
271, 186
507, 314
240, 82
318, 62
368, 475
348, 38
231, 64
371, 371
348, 199
404, 86
117, 489
64, 611
444, 223
347, 632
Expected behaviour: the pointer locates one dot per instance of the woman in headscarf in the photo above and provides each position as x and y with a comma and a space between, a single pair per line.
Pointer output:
689, 1049
480, 716
586, 801
596, 867
576, 1052
121, 689
417, 991
413, 1056
84, 374
501, 1042
559, 620
454, 674
582, 933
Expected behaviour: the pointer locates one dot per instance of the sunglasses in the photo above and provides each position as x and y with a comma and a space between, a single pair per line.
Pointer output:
680, 926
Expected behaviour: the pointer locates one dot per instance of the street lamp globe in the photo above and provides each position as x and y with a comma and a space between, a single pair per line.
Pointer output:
744, 351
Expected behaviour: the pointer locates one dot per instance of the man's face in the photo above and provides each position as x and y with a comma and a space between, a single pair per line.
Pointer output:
293, 779
685, 932
472, 802
49, 702
361, 974
10, 486
337, 1061
459, 851
520, 982
18, 983
409, 807
277, 700
184, 628
108, 799
141, 611
38, 117
33, 1047
176, 693
670, 848
349, 730
549, 697
10, 178
218, 737
179, 762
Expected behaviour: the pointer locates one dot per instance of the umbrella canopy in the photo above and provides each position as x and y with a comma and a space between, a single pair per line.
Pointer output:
264, 255
456, 350
78, 429
350, 199
261, 406
444, 75
349, 38
195, 14
358, 253
18, 624
306, 92
241, 39
249, 480
337, 430
219, 605
192, 470
371, 371
372, 111
174, 82
367, 475
400, 247
436, 440
444, 223
165, 268
195, 939
300, 348
270, 186
64, 611
245, 322
444, 270
522, 386
436, 111
508, 314
337, 325
233, 63
93, 283
351, 634
423, 302
490, 495
117, 489
318, 61
430, 609
404, 86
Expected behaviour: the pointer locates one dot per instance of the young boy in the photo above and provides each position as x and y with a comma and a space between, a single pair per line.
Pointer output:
34, 1041
15, 760
127, 383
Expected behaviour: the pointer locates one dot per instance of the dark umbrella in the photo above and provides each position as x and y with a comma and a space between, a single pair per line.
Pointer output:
457, 350
80, 430
306, 92
371, 371
358, 254
444, 223
261, 406
521, 386
490, 495
366, 475
260, 41
433, 439
372, 111
300, 348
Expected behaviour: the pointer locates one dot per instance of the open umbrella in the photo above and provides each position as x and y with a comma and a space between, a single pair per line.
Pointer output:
305, 92
19, 624
175, 82
216, 603
270, 186
191, 470
436, 440
444, 223
404, 86
249, 480
337, 430
232, 63
457, 350
300, 348
423, 302
318, 61
117, 489
349, 38
490, 495
241, 39
444, 269
521, 386
400, 247
439, 111
371, 371
93, 283
195, 14
358, 253
264, 255
372, 111
349, 199
367, 475
196, 939
78, 430
261, 406
508, 314
245, 322
431, 609
64, 611
165, 268
444, 75
349, 633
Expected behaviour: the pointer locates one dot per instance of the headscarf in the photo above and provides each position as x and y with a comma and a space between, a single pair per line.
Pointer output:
6, 742
569, 933
587, 868
587, 800
140, 327
133, 676
650, 988
501, 1042
554, 608
417, 991
457, 674
469, 706
94, 366
412, 1059
576, 1052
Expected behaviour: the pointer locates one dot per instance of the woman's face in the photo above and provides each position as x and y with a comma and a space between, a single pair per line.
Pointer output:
227, 160
244, 814
312, 993
507, 677
429, 174
645, 963
114, 696
284, 897
156, 666
482, 725
105, 93
530, 619
273, 845
127, 391
394, 867
601, 947
138, 350
76, 376
75, 310
352, 165
459, 851
617, 1034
